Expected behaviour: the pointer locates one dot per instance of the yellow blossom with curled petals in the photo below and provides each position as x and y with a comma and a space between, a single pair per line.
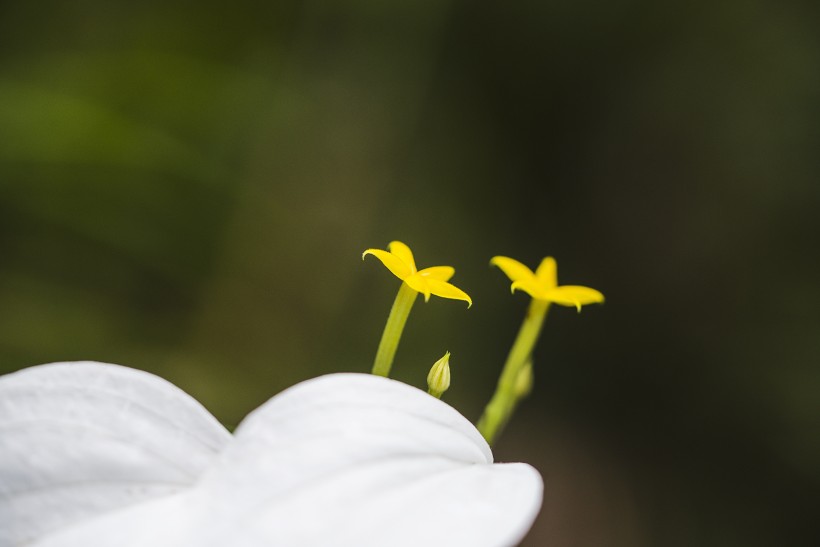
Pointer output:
399, 260
516, 376
434, 280
543, 283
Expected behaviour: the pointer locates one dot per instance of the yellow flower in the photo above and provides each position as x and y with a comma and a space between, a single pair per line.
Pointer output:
543, 284
433, 280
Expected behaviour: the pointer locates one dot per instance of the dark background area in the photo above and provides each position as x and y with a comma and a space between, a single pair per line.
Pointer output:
187, 188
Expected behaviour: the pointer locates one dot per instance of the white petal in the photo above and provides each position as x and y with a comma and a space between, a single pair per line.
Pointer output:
344, 459
79, 439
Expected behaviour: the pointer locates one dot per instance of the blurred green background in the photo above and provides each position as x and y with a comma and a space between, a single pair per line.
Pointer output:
187, 187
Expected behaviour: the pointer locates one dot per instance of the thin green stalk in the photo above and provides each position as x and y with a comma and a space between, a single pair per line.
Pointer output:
393, 329
502, 404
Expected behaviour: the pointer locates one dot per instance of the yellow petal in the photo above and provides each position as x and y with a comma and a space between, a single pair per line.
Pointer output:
442, 273
403, 252
513, 268
547, 273
446, 290
529, 286
419, 284
391, 261
574, 295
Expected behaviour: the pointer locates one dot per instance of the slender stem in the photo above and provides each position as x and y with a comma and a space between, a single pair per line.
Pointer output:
393, 329
502, 404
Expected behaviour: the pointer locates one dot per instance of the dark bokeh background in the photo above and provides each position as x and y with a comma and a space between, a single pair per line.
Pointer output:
187, 187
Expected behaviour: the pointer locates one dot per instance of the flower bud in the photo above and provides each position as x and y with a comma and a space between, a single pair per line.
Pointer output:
523, 381
438, 380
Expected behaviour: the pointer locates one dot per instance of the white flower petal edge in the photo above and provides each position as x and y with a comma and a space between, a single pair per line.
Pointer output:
357, 459
80, 439
344, 459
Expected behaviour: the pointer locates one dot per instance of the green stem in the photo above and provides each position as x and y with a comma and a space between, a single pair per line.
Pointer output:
502, 404
393, 329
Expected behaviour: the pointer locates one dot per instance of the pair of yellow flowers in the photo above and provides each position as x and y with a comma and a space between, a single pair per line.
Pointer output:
541, 284
516, 375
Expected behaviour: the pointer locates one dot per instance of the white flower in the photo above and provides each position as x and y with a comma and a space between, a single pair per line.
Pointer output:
96, 455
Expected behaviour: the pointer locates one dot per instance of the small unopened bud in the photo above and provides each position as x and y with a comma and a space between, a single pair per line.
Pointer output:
523, 382
438, 380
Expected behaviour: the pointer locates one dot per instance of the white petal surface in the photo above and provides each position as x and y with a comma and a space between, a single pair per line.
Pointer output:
344, 459
79, 439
